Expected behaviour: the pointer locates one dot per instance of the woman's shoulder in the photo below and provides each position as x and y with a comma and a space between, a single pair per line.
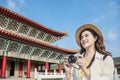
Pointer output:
108, 58
104, 57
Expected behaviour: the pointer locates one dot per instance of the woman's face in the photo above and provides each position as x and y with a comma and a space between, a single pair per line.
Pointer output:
87, 39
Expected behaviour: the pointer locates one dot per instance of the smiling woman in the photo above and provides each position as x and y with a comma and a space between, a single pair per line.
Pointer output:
96, 63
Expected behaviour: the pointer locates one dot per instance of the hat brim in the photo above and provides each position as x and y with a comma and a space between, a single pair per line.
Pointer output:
87, 26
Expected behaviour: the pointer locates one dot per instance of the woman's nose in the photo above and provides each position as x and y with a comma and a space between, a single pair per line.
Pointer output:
83, 38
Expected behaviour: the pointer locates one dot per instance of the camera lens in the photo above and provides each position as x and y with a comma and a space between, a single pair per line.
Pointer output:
72, 59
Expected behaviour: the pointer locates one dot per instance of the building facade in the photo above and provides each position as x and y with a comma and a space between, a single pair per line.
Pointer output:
117, 64
26, 45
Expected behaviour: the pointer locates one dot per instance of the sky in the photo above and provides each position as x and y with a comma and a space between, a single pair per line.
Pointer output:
68, 15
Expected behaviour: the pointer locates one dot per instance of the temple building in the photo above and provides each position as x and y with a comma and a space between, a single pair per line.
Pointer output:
26, 45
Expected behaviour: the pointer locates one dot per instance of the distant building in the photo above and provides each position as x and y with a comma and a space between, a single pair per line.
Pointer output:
117, 64
26, 45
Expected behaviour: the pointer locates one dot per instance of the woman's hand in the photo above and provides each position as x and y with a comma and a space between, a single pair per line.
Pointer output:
67, 66
81, 61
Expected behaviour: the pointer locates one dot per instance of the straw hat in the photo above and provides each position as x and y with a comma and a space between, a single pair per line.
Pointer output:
87, 26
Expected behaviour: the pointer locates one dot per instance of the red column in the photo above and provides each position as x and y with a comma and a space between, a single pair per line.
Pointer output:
3, 71
0, 66
36, 66
59, 68
28, 68
20, 69
47, 66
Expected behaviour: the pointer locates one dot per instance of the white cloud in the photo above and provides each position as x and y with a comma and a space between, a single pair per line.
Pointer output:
114, 9
114, 5
16, 5
114, 49
11, 4
98, 19
112, 35
21, 1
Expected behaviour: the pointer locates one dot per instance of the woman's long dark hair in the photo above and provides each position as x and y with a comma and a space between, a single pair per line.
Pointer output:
99, 45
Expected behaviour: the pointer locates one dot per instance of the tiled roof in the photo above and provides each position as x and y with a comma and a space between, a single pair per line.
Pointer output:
21, 37
18, 17
12, 35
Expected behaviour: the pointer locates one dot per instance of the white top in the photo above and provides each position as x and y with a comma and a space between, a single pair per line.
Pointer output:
99, 70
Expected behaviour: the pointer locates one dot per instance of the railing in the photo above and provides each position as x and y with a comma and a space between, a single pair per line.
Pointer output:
116, 76
45, 75
57, 76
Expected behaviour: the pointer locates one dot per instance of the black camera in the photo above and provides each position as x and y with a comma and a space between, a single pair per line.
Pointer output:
72, 59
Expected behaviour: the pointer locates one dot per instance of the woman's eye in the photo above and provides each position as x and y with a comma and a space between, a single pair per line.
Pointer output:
86, 35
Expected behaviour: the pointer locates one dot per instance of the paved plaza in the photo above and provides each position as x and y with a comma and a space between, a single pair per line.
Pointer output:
16, 78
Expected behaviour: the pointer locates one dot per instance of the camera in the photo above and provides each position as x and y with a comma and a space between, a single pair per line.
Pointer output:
72, 59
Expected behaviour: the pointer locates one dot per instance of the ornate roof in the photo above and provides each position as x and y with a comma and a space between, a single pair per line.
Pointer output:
14, 15
26, 39
20, 37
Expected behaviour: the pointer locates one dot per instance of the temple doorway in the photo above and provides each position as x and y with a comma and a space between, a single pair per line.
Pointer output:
12, 68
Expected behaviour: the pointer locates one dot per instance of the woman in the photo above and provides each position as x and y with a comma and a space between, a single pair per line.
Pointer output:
94, 61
